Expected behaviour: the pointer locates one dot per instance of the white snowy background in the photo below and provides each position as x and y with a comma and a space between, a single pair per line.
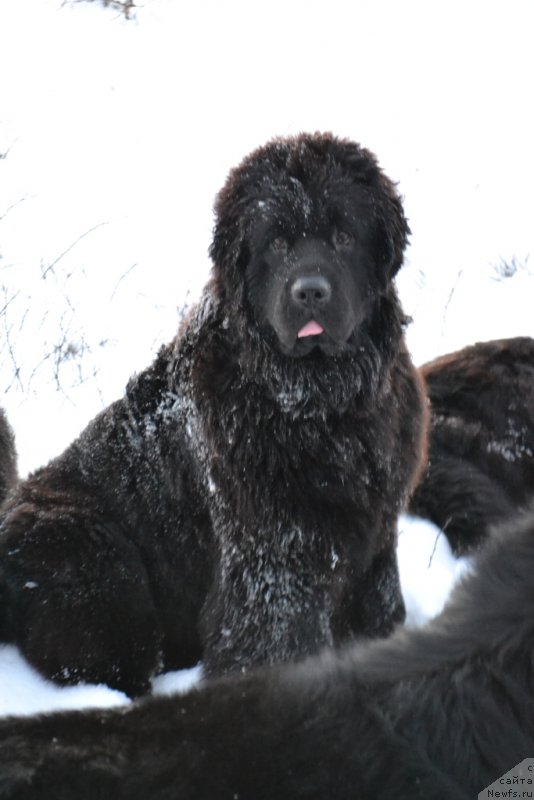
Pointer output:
115, 135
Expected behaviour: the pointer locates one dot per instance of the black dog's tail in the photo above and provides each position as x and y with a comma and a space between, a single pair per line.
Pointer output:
461, 500
6, 614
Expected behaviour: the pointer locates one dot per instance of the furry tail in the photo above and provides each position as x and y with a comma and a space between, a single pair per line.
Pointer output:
6, 614
463, 501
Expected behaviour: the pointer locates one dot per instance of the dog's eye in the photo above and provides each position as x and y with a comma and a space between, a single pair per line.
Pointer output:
279, 244
343, 239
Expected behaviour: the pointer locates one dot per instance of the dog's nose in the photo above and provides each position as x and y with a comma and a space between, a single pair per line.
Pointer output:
311, 290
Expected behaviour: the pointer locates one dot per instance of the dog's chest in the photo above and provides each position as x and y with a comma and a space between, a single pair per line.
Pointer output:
300, 458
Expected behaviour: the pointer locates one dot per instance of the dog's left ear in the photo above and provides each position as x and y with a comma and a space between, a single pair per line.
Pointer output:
393, 231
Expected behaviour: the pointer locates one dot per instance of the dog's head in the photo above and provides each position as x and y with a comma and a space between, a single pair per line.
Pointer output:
309, 232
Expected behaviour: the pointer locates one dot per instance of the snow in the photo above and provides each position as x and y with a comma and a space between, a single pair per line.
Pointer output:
115, 135
24, 691
428, 569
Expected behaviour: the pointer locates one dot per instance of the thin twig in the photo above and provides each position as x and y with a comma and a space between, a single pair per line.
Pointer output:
7, 152
433, 553
12, 206
16, 368
125, 6
50, 267
451, 294
8, 302
121, 279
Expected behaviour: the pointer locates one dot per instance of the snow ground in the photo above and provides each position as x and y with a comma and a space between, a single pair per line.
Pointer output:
115, 136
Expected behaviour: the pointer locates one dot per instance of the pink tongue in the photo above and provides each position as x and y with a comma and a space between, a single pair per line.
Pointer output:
310, 329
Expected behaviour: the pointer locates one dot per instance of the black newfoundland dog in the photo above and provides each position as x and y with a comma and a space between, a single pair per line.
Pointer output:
239, 504
481, 458
430, 714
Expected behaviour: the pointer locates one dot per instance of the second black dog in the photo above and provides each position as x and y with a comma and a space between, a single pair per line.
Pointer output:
481, 459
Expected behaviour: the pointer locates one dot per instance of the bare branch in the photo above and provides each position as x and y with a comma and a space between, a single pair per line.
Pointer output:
125, 6
433, 553
121, 279
8, 340
507, 268
12, 206
7, 152
449, 299
50, 267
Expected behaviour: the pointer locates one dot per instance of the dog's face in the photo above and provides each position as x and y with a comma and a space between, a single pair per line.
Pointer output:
309, 234
311, 284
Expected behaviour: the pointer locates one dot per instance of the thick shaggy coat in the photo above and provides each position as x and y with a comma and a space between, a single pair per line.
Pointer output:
481, 456
8, 457
239, 504
432, 714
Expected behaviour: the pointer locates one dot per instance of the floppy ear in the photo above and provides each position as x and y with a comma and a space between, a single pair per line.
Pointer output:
228, 233
393, 231
392, 228
236, 203
229, 250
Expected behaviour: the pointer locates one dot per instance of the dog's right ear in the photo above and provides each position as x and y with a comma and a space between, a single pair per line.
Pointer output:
236, 205
229, 250
229, 229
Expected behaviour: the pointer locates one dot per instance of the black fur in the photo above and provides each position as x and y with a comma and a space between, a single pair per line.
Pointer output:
239, 505
8, 479
8, 457
481, 457
431, 714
